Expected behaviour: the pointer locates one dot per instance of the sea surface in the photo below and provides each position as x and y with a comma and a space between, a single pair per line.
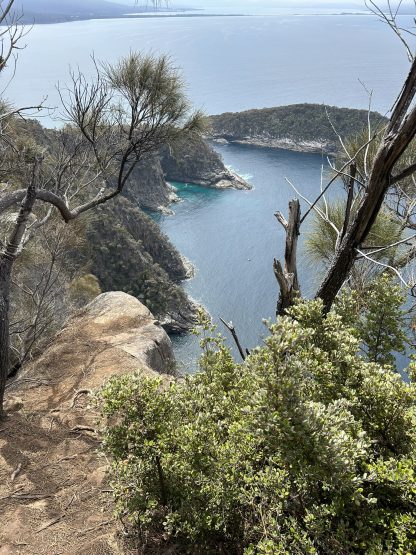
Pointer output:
228, 63
233, 236
232, 64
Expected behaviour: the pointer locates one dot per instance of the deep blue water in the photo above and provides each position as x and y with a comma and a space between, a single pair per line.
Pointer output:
229, 63
232, 64
232, 237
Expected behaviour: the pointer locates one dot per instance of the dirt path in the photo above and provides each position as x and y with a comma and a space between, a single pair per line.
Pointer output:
54, 495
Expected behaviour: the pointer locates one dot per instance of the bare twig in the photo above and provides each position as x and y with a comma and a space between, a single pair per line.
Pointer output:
231, 329
16, 472
50, 523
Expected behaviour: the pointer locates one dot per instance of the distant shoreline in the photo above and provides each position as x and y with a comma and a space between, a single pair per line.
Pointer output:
44, 19
38, 19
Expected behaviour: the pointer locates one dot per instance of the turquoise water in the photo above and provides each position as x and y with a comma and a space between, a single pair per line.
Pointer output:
232, 237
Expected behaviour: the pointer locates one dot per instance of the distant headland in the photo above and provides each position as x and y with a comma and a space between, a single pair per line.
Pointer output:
298, 127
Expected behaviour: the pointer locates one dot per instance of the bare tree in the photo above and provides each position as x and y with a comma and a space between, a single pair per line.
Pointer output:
45, 285
113, 122
386, 171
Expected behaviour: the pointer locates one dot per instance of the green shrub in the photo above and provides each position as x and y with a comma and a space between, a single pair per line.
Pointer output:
306, 447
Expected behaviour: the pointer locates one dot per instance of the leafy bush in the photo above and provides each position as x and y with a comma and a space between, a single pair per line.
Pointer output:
306, 447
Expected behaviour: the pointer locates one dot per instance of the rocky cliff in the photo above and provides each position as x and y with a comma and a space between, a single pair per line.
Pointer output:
188, 161
52, 477
126, 250
123, 247
299, 127
148, 188
195, 161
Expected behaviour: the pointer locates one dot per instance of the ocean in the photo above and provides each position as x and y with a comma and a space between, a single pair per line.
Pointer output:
228, 63
233, 236
232, 64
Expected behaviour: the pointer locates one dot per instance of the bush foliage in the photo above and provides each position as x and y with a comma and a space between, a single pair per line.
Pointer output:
306, 447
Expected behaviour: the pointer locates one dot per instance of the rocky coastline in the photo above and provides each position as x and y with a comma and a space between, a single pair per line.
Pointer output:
281, 144
195, 161
191, 161
313, 128
124, 249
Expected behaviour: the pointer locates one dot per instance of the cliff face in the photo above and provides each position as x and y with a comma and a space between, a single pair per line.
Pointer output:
188, 161
52, 477
299, 127
147, 186
126, 251
124, 248
195, 161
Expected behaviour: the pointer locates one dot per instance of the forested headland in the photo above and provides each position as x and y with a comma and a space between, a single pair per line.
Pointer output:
301, 127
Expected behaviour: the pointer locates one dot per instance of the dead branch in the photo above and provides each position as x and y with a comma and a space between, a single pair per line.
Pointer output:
230, 327
350, 198
50, 523
287, 278
16, 472
77, 394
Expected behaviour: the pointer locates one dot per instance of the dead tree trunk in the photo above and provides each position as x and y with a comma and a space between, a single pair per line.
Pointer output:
287, 278
5, 278
399, 133
230, 327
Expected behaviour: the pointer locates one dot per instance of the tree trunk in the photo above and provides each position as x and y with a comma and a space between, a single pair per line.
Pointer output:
399, 134
287, 278
5, 278
7, 259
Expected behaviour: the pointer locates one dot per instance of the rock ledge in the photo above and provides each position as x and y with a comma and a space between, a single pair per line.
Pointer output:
52, 476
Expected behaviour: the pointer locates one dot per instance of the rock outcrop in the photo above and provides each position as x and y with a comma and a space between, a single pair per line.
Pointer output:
148, 188
188, 161
195, 161
52, 477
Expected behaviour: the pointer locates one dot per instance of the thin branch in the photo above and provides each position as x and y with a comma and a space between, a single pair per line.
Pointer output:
351, 183
397, 243
386, 266
402, 175
339, 172
230, 327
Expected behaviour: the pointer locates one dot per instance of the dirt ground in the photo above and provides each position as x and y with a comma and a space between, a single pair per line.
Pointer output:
54, 493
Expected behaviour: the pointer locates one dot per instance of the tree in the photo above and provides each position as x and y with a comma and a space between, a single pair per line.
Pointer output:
367, 189
113, 122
